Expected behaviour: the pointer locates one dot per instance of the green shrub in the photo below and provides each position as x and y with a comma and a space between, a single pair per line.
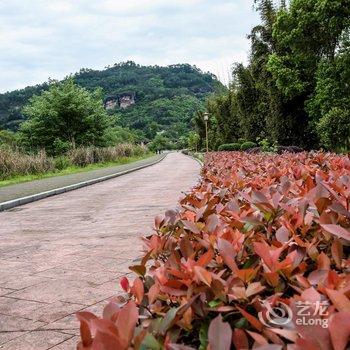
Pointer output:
246, 145
62, 162
229, 147
334, 129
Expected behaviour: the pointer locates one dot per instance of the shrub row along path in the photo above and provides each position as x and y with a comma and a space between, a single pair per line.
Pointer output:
66, 253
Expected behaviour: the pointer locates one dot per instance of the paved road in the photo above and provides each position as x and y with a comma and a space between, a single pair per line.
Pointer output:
66, 253
33, 187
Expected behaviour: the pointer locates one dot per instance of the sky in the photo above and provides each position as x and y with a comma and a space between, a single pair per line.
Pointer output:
41, 39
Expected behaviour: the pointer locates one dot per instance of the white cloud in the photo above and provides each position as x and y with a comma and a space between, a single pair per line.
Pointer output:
52, 38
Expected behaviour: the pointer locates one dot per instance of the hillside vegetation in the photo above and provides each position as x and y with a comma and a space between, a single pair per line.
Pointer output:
166, 97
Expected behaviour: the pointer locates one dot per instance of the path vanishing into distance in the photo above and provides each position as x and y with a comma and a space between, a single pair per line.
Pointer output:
66, 253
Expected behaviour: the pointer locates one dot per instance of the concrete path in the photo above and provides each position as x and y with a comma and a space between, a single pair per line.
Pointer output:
66, 253
11, 192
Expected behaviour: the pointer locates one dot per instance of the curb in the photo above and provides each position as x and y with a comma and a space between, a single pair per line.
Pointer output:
36, 197
196, 159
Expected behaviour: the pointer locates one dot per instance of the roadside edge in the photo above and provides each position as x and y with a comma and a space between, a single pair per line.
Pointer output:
38, 196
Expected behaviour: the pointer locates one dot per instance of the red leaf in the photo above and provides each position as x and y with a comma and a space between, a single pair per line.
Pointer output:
153, 293
126, 322
282, 234
251, 319
228, 253
110, 311
191, 226
323, 262
339, 300
337, 252
107, 336
339, 328
137, 290
206, 258
337, 230
219, 334
85, 319
203, 275
186, 247
212, 222
240, 339
124, 283
263, 251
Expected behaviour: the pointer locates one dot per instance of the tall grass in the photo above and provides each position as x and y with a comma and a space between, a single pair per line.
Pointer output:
90, 155
16, 163
13, 163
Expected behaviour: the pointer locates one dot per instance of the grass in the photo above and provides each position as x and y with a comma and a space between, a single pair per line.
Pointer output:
71, 170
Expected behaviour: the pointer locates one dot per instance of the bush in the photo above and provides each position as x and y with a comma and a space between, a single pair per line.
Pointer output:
240, 141
8, 139
259, 233
14, 163
246, 145
84, 156
62, 162
334, 129
229, 147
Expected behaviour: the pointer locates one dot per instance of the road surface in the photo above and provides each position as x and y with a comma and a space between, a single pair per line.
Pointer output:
66, 253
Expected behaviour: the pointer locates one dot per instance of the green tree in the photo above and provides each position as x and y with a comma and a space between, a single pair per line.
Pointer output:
65, 115
296, 81
193, 141
8, 138
160, 143
307, 34
334, 129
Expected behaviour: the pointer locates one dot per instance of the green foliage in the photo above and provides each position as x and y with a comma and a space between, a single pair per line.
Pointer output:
160, 143
298, 72
62, 162
8, 139
64, 116
117, 134
246, 145
166, 98
267, 146
193, 141
229, 147
172, 116
334, 129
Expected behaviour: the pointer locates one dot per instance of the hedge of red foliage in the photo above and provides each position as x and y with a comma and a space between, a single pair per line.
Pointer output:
261, 238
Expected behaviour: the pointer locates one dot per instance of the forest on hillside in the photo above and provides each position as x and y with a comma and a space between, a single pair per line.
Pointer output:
166, 97
295, 89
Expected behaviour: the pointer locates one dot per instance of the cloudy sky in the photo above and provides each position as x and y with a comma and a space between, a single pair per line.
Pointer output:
52, 38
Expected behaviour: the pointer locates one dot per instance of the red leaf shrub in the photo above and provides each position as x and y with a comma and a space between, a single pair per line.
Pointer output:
257, 256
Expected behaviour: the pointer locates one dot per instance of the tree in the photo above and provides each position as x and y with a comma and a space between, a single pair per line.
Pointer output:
64, 116
334, 129
160, 143
8, 138
193, 141
296, 81
307, 36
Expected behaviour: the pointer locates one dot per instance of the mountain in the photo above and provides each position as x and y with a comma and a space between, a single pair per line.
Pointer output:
154, 98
